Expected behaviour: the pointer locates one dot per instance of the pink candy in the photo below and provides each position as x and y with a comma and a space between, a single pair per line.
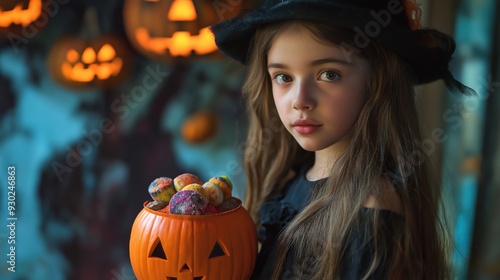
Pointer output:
187, 203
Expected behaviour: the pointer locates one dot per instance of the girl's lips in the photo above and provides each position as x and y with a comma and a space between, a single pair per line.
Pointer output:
304, 122
306, 129
305, 126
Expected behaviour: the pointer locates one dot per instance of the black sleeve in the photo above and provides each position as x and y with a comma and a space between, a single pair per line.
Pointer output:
358, 258
360, 249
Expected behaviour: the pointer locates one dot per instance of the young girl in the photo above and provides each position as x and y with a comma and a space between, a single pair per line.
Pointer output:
336, 182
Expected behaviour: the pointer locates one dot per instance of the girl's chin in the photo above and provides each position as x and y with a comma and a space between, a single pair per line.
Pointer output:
310, 147
314, 146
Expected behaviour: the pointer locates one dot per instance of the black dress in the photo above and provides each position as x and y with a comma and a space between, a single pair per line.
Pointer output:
277, 212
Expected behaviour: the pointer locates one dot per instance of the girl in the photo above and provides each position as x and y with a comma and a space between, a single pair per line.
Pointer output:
336, 183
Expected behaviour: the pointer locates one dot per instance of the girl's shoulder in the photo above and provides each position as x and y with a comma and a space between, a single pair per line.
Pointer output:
386, 199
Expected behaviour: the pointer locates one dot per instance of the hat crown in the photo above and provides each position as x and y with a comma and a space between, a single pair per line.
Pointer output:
363, 5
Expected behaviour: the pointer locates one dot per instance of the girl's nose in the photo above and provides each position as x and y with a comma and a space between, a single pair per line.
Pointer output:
304, 99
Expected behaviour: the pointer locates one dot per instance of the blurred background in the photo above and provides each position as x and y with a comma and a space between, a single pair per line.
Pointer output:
98, 98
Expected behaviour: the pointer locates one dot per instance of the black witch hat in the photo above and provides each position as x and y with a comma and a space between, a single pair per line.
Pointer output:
390, 22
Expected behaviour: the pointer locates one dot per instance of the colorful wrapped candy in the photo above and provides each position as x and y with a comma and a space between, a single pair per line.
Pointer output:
228, 204
186, 179
214, 193
156, 205
186, 194
224, 184
162, 189
197, 188
187, 202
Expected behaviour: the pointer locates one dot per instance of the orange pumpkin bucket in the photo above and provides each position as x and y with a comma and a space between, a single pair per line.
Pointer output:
194, 247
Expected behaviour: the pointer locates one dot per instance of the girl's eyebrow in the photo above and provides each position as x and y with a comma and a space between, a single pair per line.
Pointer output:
313, 63
329, 60
277, 65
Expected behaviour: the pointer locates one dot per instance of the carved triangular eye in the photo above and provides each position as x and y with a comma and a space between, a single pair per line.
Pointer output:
158, 251
217, 251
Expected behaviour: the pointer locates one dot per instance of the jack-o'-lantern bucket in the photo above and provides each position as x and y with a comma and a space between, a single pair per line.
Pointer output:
220, 246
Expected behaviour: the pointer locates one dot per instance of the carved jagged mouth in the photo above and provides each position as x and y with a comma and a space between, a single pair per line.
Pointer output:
86, 73
201, 44
195, 278
21, 16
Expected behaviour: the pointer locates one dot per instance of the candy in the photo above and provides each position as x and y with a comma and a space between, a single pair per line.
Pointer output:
214, 192
157, 205
186, 179
227, 181
187, 203
228, 204
224, 184
197, 188
165, 210
162, 189
209, 210
186, 194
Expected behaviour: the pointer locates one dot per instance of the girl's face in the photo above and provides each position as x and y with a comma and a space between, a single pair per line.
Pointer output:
317, 89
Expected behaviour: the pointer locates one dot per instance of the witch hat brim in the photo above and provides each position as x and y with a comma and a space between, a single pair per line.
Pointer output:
427, 51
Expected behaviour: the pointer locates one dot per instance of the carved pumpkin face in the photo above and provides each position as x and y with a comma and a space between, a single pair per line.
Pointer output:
181, 247
162, 29
15, 15
78, 62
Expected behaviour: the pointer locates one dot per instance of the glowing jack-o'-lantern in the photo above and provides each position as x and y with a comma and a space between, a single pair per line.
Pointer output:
78, 62
162, 29
15, 15
208, 247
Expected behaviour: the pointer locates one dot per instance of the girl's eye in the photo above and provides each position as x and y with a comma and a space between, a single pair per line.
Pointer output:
282, 79
329, 76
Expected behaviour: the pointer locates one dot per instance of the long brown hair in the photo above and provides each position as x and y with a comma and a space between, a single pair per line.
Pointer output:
381, 143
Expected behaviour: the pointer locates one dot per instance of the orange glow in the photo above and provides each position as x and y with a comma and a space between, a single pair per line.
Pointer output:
199, 127
106, 53
104, 71
90, 69
182, 10
72, 56
181, 43
20, 16
88, 56
205, 42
